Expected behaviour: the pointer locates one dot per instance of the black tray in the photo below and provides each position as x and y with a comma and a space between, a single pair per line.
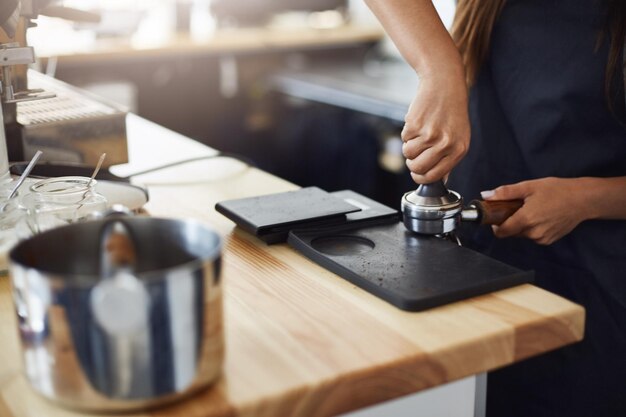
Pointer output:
410, 271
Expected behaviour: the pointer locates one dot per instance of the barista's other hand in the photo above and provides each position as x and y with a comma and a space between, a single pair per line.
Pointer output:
436, 133
552, 208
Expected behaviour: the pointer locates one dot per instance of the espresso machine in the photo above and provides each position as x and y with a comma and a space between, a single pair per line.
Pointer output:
10, 55
41, 113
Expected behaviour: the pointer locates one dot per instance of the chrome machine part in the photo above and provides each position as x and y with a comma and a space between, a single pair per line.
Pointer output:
15, 16
5, 175
432, 209
470, 214
12, 54
135, 328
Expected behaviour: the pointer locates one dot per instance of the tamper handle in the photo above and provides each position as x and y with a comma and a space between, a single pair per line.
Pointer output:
496, 211
433, 189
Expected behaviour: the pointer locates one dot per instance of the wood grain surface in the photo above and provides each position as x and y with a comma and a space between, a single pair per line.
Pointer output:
301, 341
221, 41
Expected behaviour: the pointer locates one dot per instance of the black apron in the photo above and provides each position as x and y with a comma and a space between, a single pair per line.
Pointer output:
539, 109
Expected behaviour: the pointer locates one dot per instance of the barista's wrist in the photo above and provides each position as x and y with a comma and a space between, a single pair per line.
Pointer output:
448, 71
600, 198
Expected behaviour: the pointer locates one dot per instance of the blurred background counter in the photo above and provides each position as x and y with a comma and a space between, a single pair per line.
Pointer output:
310, 90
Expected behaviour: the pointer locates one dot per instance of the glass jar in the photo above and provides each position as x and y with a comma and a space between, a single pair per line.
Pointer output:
10, 214
59, 201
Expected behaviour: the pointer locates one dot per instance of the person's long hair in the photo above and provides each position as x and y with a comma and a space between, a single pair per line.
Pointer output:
474, 22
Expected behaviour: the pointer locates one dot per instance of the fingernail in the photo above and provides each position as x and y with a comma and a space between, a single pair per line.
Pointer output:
487, 194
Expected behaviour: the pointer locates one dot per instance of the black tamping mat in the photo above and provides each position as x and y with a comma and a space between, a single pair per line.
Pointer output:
271, 217
410, 271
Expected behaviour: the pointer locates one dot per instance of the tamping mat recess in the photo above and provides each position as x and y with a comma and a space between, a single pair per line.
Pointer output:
410, 271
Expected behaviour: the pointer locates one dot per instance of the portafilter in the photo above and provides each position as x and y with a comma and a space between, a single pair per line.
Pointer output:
433, 209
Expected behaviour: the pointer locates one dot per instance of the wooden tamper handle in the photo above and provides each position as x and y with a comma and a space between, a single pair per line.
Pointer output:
496, 211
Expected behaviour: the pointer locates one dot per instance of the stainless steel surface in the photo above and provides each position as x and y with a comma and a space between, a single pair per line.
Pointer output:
10, 54
13, 54
470, 214
430, 227
120, 343
24, 175
450, 200
5, 176
97, 169
72, 127
431, 215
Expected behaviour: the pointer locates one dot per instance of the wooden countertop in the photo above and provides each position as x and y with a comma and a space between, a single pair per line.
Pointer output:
300, 340
77, 48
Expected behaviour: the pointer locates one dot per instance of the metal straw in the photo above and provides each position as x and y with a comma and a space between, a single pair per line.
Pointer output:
93, 176
25, 174
95, 172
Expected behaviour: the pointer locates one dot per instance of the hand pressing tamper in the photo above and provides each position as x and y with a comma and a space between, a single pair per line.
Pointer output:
433, 209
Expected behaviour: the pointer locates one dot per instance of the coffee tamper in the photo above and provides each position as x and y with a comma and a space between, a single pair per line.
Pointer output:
433, 209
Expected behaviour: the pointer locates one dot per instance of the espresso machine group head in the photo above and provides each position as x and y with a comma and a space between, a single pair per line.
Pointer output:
71, 125
9, 17
433, 209
15, 18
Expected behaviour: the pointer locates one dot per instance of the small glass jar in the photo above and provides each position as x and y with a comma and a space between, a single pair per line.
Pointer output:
10, 214
59, 201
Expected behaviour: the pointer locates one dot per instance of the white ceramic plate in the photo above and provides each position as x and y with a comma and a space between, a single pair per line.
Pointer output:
131, 196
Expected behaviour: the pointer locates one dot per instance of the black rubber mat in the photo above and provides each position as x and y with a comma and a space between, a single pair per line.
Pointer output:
271, 217
410, 271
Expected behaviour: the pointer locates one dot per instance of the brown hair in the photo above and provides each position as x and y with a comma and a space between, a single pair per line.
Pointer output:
474, 22
616, 23
471, 30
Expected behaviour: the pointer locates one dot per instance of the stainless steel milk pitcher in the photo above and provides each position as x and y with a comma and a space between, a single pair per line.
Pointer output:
121, 313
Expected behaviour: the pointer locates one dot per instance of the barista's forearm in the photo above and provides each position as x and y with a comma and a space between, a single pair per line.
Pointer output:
605, 198
416, 29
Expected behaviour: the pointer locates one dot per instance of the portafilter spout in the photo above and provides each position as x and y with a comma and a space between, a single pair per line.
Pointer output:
433, 209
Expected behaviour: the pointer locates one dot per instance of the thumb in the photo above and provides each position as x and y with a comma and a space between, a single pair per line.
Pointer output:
517, 191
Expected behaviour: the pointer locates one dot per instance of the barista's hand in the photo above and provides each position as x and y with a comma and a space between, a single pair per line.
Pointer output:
552, 208
436, 134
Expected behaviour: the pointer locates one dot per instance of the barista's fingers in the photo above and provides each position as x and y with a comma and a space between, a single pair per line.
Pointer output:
516, 225
425, 161
518, 191
409, 132
414, 148
437, 172
424, 140
414, 130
